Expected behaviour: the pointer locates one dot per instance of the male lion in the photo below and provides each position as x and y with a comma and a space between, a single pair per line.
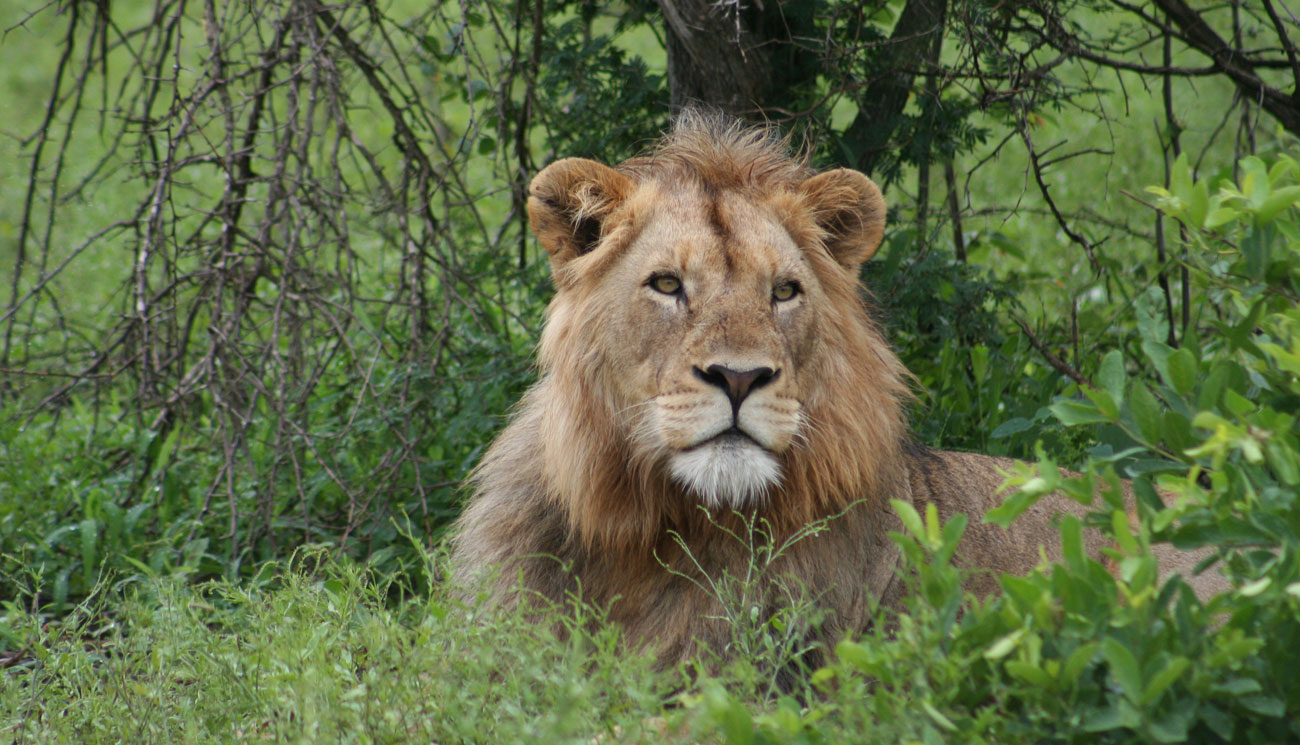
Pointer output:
708, 363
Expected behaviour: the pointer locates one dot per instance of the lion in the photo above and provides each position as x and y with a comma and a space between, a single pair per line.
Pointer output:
709, 363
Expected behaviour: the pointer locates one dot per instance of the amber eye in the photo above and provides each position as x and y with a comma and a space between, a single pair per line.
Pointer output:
785, 291
666, 283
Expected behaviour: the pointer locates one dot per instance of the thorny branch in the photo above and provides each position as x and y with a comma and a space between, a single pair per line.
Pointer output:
279, 245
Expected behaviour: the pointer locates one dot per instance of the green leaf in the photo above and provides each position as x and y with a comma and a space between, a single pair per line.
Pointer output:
1279, 200
1252, 589
60, 595
1123, 533
932, 526
1075, 413
854, 654
1077, 662
1213, 385
1198, 203
737, 724
1146, 413
1257, 250
1111, 375
1182, 370
161, 452
1011, 507
1118, 714
1072, 552
1220, 216
1173, 726
1161, 681
1152, 321
911, 520
979, 361
1254, 184
944, 722
1269, 706
1004, 646
1032, 674
951, 537
1103, 401
1238, 686
1123, 667
1012, 426
1217, 720
1282, 459
89, 529
1180, 177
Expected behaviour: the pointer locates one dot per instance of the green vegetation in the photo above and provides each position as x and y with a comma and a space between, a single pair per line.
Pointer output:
232, 429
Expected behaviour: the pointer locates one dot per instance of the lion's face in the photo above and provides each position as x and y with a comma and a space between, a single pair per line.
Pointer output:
709, 321
711, 325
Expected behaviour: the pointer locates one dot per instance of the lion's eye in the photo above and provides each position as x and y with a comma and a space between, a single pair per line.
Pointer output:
666, 283
785, 291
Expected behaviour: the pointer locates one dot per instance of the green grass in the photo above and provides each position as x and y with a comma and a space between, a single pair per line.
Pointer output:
322, 657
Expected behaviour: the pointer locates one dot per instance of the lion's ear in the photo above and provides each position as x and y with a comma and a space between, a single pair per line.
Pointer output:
849, 208
567, 203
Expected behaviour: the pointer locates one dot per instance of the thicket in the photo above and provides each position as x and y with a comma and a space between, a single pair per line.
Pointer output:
273, 287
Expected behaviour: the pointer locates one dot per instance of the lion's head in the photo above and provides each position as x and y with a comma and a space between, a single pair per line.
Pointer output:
708, 343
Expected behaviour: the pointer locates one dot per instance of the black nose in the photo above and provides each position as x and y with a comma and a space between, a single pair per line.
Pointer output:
736, 383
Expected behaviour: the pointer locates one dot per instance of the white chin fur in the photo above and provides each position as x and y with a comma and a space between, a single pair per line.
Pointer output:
727, 473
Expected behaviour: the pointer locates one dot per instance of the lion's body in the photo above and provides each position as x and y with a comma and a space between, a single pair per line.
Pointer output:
708, 363
851, 565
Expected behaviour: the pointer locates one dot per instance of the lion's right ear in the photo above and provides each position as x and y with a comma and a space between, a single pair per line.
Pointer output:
568, 202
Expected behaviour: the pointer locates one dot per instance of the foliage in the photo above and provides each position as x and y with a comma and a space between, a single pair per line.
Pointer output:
320, 656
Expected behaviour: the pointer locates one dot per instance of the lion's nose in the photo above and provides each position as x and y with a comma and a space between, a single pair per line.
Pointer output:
736, 383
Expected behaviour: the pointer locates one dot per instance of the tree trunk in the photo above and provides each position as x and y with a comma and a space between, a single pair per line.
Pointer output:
736, 56
881, 106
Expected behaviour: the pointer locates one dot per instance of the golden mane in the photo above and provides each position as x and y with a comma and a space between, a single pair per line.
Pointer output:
856, 423
722, 153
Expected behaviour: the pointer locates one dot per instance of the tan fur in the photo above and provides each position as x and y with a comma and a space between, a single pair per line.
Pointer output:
579, 496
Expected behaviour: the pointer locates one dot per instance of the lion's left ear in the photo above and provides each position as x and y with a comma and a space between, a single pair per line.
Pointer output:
848, 206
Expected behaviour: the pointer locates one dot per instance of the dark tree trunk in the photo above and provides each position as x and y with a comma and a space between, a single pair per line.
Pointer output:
742, 57
736, 56
881, 106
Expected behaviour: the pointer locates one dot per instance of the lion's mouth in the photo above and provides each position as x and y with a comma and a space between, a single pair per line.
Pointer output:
731, 436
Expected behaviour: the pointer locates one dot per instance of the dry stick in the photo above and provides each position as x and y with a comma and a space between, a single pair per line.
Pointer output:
932, 93
224, 297
1037, 169
78, 94
25, 227
47, 278
523, 154
1175, 142
1233, 62
954, 211
1284, 39
1057, 363
1162, 253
